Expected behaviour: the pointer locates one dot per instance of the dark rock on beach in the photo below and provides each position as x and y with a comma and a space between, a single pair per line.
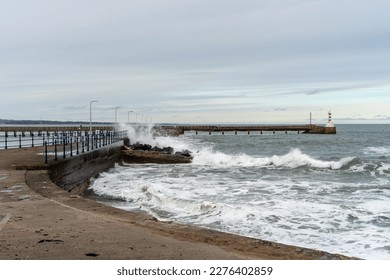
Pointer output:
144, 153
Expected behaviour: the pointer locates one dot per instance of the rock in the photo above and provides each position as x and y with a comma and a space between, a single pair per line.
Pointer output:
163, 156
167, 150
185, 153
143, 147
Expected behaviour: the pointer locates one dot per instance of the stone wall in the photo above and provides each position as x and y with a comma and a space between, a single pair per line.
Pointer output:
73, 174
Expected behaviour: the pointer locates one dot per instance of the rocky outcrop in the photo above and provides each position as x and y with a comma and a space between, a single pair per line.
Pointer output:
144, 153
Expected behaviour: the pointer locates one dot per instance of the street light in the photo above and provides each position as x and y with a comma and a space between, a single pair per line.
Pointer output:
90, 115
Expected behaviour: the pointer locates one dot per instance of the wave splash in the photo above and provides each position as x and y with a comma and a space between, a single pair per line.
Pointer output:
294, 159
161, 201
145, 134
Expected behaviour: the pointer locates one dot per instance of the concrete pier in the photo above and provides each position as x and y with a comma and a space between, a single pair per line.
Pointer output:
309, 129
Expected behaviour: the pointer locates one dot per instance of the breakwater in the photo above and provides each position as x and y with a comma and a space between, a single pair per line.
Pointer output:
309, 129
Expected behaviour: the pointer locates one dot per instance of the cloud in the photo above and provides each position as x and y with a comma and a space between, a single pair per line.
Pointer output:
191, 55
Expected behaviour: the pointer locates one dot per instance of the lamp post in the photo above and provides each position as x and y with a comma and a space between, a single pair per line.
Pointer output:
90, 115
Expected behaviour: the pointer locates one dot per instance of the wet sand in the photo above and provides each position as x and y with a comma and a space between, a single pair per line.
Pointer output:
39, 220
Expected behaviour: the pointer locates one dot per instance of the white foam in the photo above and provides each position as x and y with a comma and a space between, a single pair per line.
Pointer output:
377, 150
305, 213
295, 158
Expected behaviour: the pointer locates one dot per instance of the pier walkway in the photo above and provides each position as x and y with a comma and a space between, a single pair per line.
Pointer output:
311, 129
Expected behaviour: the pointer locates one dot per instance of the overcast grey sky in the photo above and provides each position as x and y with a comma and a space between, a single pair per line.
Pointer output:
195, 60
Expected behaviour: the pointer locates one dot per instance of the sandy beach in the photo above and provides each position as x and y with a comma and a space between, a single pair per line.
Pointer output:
39, 220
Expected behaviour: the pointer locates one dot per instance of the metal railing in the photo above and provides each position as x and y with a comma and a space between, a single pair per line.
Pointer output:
68, 146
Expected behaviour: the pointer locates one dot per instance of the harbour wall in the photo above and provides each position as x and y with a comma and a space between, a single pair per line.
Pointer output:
73, 174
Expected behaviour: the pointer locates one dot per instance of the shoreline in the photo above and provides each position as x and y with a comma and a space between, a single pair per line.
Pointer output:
39, 220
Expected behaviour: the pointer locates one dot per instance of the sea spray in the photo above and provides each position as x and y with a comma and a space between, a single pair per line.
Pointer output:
145, 134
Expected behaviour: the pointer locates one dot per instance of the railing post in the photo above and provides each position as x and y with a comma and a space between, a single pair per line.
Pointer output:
63, 155
5, 140
32, 140
55, 150
71, 147
82, 143
20, 140
77, 144
96, 141
46, 152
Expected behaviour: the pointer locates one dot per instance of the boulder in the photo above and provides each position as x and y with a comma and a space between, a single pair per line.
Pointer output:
143, 153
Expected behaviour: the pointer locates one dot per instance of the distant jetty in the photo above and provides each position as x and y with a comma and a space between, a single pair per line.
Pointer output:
310, 129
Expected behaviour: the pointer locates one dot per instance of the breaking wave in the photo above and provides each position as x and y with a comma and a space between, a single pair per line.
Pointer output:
294, 159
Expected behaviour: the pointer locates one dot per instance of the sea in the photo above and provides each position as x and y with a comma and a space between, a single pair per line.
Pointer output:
325, 192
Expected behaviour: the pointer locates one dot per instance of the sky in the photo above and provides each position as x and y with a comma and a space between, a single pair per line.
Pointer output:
195, 61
